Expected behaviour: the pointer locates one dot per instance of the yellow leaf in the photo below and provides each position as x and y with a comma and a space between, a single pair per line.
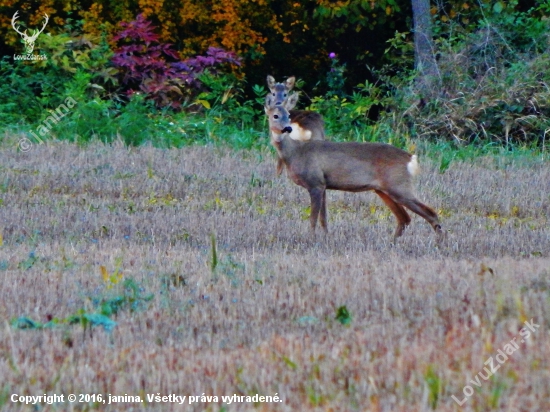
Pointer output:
226, 95
205, 103
104, 273
1, 239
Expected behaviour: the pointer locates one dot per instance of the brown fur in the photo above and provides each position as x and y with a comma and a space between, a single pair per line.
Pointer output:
353, 167
305, 119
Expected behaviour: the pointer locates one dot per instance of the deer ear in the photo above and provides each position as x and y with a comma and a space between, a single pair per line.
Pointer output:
290, 82
291, 101
270, 82
269, 103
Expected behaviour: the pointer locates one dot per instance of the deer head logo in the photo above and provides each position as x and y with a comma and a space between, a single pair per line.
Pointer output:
28, 40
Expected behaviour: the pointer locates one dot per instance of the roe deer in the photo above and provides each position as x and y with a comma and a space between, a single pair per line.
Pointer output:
349, 166
306, 125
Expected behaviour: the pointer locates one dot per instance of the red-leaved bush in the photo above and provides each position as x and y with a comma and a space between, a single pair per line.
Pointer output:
155, 69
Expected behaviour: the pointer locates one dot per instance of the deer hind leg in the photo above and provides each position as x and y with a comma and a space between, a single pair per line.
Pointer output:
403, 218
419, 208
316, 194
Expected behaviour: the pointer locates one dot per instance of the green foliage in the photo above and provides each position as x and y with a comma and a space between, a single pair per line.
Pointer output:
24, 322
18, 101
29, 262
5, 395
74, 51
292, 365
335, 77
105, 120
343, 315
226, 266
129, 296
89, 320
357, 13
214, 262
434, 386
227, 116
495, 83
349, 118
493, 66
400, 49
30, 89
91, 118
496, 393
81, 317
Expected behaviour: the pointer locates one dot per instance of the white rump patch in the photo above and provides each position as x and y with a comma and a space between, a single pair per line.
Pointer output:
299, 133
412, 166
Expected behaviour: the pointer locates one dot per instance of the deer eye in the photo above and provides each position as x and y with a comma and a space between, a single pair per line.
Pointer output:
284, 94
275, 116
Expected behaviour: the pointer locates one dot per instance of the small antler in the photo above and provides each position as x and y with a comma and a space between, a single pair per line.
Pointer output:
24, 34
15, 17
47, 19
35, 35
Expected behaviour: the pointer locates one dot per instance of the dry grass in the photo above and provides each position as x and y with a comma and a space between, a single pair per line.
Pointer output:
424, 319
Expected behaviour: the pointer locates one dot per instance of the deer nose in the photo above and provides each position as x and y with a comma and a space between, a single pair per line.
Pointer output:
287, 129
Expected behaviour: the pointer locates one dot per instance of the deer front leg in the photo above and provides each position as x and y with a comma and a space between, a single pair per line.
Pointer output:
280, 166
323, 215
316, 195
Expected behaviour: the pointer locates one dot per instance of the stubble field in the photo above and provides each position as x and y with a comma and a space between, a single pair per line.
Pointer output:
203, 258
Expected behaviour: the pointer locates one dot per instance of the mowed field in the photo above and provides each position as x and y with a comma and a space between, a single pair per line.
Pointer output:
204, 259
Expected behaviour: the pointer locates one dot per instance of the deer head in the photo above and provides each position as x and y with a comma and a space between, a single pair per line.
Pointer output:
28, 40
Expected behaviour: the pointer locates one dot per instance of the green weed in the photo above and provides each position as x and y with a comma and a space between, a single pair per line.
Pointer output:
434, 386
343, 315
129, 297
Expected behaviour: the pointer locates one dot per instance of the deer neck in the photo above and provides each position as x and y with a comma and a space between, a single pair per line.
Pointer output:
287, 148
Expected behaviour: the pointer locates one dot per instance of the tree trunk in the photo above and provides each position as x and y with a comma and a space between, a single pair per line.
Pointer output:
427, 72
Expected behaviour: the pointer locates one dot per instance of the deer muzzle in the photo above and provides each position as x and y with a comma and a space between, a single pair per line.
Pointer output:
287, 129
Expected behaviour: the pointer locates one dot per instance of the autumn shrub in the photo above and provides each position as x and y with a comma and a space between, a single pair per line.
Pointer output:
352, 116
154, 68
31, 89
73, 50
495, 86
